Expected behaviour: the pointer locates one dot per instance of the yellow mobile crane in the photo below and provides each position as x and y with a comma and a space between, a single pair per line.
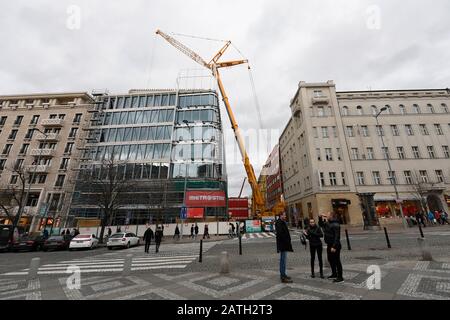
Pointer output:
214, 65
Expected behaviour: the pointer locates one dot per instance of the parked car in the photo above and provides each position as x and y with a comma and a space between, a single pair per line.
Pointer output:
84, 241
29, 242
57, 243
6, 243
122, 239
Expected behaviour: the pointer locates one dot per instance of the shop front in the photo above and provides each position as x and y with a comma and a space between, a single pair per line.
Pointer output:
340, 208
206, 205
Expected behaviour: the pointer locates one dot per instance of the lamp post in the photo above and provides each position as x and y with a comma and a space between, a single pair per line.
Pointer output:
19, 213
394, 180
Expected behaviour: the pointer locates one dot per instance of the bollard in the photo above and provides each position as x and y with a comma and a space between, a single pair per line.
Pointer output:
34, 268
201, 252
426, 254
348, 241
224, 263
387, 238
421, 231
240, 245
127, 264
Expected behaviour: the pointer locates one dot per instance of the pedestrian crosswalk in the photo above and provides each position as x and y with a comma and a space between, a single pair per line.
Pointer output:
261, 235
171, 256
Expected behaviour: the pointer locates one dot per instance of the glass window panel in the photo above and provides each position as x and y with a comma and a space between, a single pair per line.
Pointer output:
147, 168
108, 152
120, 171
149, 101
138, 171
129, 171
135, 102
116, 152
115, 118
205, 100
167, 133
139, 117
107, 118
151, 133
144, 133
169, 117
157, 151
149, 152
119, 103
162, 116
127, 136
188, 101
140, 152
157, 101
142, 101
123, 118
182, 101
212, 100
172, 100
120, 134
204, 115
154, 117
127, 103
155, 171
147, 117
112, 135
124, 153
133, 152
135, 134
131, 117
208, 151
165, 100
166, 151
164, 171
192, 170
197, 100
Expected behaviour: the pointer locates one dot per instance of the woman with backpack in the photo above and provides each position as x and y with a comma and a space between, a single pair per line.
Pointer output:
314, 234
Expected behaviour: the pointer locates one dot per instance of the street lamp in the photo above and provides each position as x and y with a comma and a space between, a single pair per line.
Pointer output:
19, 213
394, 180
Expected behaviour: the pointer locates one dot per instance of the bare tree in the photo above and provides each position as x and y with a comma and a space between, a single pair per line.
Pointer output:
421, 189
108, 187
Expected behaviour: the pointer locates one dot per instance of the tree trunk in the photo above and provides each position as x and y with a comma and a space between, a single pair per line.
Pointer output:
103, 225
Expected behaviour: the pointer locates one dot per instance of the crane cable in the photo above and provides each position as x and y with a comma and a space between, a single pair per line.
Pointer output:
196, 37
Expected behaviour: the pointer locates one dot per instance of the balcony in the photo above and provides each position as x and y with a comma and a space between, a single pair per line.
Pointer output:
53, 122
38, 168
320, 100
42, 152
47, 137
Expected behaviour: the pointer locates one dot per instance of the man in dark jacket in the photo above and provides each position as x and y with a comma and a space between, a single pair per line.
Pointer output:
148, 236
332, 231
314, 234
196, 231
284, 246
158, 238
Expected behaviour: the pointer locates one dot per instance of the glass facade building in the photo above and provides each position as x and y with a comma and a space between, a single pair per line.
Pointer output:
165, 143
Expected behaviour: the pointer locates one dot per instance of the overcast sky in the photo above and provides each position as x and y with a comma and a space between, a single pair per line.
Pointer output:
357, 43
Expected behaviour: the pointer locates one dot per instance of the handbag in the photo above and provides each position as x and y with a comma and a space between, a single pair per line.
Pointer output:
303, 239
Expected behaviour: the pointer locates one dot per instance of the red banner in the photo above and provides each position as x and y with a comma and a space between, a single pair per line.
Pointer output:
238, 213
211, 199
195, 213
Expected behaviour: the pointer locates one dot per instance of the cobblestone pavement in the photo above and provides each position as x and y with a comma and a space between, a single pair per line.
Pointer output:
254, 275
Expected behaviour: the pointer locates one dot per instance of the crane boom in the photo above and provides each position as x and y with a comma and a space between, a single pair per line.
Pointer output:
214, 65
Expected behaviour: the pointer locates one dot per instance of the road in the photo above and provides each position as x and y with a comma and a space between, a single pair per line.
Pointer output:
176, 273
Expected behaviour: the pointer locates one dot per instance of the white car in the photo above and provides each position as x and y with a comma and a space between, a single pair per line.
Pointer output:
83, 241
122, 239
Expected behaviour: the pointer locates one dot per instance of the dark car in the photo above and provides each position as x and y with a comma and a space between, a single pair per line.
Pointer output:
6, 233
29, 243
57, 243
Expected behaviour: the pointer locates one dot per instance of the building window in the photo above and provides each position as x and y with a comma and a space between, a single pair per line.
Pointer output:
3, 120
430, 108
13, 134
370, 154
408, 177
73, 132
364, 131
376, 178
423, 176
389, 109
409, 130
329, 154
18, 165
77, 118
319, 155
335, 132
374, 110
439, 176
24, 148
360, 178
64, 164
322, 179
416, 152
350, 132
380, 131
446, 152
359, 110
355, 154
392, 177
320, 112
325, 132
61, 116
431, 152
14, 178
7, 149
345, 111
385, 153
402, 109
35, 119
315, 132
318, 94
416, 109
424, 130
438, 129
444, 108
60, 180
333, 180
69, 147
343, 179
339, 154
29, 134
394, 130
2, 164
401, 153
18, 121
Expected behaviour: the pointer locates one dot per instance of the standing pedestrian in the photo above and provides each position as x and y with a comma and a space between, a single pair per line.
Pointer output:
109, 232
177, 233
192, 231
420, 219
63, 232
314, 234
233, 229
332, 231
206, 232
196, 231
148, 236
437, 217
158, 238
284, 245
444, 217
431, 218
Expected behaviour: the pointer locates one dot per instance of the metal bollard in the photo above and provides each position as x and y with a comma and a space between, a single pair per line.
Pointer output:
127, 264
348, 241
201, 252
387, 238
34, 268
421, 231
224, 263
240, 245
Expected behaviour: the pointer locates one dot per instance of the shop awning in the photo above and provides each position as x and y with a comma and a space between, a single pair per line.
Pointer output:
388, 198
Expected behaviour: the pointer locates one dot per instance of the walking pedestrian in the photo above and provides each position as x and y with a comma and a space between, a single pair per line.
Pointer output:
230, 231
206, 232
444, 217
109, 232
233, 230
314, 234
196, 231
332, 231
177, 233
158, 238
284, 245
148, 236
431, 218
437, 217
192, 231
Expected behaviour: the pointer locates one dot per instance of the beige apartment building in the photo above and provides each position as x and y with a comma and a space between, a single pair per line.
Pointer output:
41, 136
337, 148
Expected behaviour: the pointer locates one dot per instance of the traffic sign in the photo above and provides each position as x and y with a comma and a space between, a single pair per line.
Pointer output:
183, 213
